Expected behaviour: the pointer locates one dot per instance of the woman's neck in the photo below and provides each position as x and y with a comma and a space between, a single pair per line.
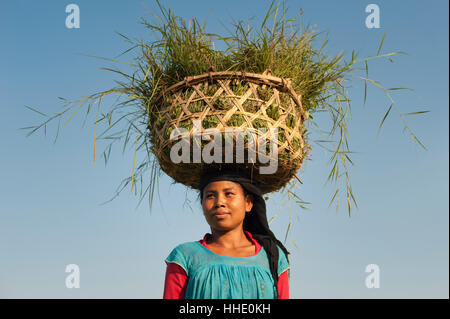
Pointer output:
229, 239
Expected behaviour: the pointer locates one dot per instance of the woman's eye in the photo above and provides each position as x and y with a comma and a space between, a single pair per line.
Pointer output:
229, 193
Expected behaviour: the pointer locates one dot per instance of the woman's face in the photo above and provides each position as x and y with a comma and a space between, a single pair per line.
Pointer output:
225, 205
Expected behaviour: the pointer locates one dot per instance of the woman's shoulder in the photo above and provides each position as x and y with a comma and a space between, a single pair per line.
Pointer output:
182, 254
184, 250
186, 247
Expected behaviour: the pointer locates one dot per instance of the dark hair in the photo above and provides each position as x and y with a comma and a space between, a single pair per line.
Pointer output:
255, 222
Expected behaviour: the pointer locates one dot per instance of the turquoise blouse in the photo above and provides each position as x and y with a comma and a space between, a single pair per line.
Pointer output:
213, 276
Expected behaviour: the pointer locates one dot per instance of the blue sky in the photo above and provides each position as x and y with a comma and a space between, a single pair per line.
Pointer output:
50, 212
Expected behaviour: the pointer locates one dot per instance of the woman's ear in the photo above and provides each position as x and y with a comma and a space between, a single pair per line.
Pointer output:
248, 203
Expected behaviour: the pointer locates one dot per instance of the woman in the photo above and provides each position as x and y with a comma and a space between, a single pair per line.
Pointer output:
241, 258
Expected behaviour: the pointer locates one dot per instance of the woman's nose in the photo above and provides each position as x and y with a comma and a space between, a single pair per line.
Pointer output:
220, 200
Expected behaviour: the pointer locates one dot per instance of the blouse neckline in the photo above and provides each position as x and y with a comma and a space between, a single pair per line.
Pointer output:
258, 246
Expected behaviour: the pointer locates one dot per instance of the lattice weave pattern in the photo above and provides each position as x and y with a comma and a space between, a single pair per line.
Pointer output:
229, 100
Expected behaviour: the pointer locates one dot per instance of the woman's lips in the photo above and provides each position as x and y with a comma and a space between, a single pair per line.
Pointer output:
221, 214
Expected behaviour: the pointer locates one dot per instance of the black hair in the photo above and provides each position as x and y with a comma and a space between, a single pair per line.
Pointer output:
255, 222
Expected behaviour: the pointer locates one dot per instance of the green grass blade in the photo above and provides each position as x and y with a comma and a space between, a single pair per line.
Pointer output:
381, 44
384, 118
414, 113
43, 114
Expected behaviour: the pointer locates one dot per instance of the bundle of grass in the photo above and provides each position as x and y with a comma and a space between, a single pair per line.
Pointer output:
270, 79
264, 78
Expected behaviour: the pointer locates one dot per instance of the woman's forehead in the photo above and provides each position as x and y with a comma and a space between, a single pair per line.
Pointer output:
222, 185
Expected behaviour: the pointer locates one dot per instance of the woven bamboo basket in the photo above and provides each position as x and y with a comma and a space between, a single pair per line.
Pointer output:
230, 100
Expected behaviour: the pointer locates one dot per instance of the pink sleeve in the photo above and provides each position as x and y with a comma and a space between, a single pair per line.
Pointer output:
176, 282
283, 285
